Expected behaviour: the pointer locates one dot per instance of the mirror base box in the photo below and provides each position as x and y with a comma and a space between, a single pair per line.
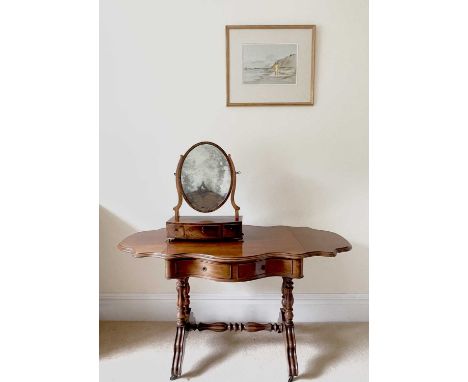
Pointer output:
201, 228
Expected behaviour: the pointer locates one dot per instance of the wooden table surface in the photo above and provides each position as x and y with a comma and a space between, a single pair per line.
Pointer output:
259, 243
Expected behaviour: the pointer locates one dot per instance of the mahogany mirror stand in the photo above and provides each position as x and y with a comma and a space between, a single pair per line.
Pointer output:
264, 252
205, 179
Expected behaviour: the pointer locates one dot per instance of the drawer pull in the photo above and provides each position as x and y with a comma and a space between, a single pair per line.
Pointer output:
204, 269
263, 267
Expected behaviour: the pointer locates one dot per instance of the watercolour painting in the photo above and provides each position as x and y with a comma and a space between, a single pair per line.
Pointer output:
269, 63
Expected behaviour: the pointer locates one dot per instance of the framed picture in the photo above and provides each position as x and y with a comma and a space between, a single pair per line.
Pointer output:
270, 65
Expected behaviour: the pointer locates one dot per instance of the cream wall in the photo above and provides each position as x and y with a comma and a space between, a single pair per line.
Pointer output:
162, 88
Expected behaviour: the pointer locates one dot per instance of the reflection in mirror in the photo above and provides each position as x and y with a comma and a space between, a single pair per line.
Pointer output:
206, 177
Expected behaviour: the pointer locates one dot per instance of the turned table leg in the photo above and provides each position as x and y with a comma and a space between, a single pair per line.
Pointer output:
183, 314
288, 326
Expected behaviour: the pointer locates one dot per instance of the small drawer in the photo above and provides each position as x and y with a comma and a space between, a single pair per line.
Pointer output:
202, 232
232, 231
253, 269
279, 267
203, 269
175, 231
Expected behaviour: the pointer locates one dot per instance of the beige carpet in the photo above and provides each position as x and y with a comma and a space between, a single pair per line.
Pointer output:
142, 351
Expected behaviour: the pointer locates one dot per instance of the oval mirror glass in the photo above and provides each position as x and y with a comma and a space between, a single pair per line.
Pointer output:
205, 177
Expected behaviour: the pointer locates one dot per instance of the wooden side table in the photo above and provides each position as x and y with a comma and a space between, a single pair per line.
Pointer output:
264, 252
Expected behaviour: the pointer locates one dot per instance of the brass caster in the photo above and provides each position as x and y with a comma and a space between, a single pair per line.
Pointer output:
173, 377
290, 378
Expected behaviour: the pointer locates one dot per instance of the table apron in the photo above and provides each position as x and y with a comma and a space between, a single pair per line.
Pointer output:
234, 272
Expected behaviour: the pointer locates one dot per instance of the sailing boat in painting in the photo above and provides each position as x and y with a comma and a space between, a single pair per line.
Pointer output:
269, 63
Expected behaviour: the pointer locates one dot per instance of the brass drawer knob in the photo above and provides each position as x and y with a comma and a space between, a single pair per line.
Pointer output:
203, 269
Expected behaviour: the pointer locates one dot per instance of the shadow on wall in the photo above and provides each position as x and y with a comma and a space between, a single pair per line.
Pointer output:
118, 272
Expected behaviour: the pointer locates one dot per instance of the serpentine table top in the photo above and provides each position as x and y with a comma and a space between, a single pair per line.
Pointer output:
259, 243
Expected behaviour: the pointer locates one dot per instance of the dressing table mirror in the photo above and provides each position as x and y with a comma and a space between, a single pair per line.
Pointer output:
205, 179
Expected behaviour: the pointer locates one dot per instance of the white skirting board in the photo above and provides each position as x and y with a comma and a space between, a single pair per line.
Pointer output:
308, 307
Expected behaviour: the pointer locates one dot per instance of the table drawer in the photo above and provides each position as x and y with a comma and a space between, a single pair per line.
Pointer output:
270, 267
253, 269
186, 268
279, 267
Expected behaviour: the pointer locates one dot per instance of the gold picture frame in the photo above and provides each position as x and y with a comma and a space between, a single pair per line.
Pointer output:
270, 75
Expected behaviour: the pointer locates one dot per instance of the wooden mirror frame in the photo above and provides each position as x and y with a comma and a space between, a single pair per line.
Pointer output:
180, 190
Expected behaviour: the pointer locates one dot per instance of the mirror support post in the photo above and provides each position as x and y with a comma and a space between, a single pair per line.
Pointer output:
179, 188
233, 189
